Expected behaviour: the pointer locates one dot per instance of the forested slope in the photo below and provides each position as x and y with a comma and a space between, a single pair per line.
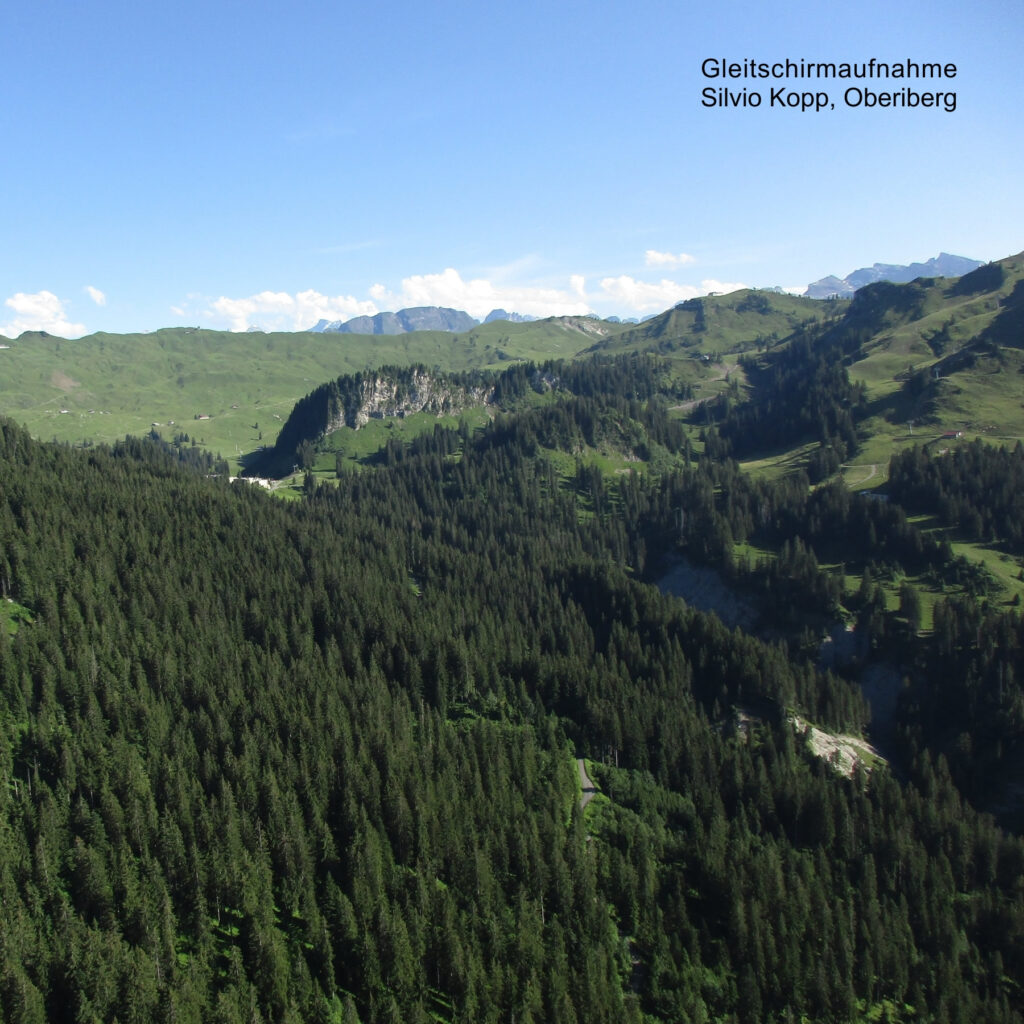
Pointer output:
314, 761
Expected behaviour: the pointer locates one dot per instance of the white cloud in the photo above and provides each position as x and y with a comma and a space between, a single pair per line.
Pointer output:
479, 296
39, 311
279, 311
645, 296
710, 285
653, 258
623, 295
96, 295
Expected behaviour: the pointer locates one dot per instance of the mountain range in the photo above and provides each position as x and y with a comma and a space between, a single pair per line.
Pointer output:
943, 265
444, 318
415, 318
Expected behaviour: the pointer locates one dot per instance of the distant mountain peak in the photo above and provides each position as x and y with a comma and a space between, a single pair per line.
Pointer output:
943, 265
515, 318
415, 318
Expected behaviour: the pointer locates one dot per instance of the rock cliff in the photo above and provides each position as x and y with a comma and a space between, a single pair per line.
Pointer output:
382, 395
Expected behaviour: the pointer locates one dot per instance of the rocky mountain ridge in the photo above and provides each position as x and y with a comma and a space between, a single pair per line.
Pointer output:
416, 318
943, 265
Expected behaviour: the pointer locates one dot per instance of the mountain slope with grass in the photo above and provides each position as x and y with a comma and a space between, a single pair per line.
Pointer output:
941, 361
911, 363
941, 353
742, 321
230, 392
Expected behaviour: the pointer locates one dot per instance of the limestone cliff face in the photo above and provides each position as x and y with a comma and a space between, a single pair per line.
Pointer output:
352, 400
379, 396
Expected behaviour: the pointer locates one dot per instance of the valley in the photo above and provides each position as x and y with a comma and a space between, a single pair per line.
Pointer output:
590, 671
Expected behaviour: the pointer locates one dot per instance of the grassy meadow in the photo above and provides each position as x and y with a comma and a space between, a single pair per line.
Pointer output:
230, 392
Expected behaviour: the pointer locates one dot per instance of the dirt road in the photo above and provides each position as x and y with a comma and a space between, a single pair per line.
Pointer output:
589, 789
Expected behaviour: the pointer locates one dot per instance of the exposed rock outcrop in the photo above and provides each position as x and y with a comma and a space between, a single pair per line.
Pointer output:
382, 395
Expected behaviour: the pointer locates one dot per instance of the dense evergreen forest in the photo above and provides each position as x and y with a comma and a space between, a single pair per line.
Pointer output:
802, 392
394, 390
977, 489
314, 761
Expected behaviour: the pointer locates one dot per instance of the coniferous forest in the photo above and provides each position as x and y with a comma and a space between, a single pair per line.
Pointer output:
316, 760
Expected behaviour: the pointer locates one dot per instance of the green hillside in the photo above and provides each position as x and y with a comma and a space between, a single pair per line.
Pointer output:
935, 355
944, 357
742, 321
231, 393
928, 358
316, 760
101, 387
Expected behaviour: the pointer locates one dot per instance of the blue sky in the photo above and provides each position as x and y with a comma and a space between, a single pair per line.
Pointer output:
231, 164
